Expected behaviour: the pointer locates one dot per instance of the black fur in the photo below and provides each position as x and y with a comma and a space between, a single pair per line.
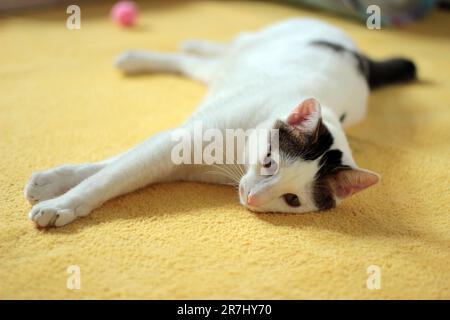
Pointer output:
330, 164
296, 145
303, 146
377, 73
362, 64
390, 71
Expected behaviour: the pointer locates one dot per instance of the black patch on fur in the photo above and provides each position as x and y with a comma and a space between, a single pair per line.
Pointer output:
297, 145
342, 117
330, 164
389, 71
377, 73
360, 59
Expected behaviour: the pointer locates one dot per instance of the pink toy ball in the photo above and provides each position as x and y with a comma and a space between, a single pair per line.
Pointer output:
124, 13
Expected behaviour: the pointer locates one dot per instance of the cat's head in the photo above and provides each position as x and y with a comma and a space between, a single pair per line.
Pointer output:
314, 169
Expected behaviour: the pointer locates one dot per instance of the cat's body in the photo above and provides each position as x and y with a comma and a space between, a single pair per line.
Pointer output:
279, 65
259, 80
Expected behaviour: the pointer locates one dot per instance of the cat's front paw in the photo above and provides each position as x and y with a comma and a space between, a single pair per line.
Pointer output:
48, 184
59, 211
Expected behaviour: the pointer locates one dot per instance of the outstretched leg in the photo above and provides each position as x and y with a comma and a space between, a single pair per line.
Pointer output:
203, 48
195, 67
54, 182
51, 183
147, 163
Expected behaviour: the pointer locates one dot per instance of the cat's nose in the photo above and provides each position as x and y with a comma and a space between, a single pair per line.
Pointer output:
251, 201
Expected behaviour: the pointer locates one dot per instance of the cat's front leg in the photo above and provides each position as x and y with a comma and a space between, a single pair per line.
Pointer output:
49, 184
60, 211
148, 163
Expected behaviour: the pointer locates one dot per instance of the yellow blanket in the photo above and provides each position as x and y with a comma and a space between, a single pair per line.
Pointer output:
61, 101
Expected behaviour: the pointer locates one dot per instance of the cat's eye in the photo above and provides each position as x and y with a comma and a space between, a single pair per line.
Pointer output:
270, 166
268, 162
291, 199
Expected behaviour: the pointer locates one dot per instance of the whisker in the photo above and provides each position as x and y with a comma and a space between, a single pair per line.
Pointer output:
228, 170
232, 183
229, 174
233, 168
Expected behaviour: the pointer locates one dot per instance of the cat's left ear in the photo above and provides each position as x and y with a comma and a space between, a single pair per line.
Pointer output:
348, 182
306, 117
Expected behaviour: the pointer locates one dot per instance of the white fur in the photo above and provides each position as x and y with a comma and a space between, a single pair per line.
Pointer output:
254, 80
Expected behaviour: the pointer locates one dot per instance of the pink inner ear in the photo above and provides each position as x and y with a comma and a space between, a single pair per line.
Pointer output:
303, 112
349, 182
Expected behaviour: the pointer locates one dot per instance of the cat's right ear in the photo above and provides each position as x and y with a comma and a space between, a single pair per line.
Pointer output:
348, 182
306, 117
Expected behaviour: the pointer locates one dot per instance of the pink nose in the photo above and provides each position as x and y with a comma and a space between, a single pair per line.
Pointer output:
251, 201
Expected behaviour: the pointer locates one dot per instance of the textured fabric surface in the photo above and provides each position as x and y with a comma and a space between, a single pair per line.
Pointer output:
62, 102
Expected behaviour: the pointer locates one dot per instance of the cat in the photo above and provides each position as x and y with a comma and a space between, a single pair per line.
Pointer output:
303, 77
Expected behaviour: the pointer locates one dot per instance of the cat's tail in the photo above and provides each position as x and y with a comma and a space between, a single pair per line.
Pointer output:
389, 71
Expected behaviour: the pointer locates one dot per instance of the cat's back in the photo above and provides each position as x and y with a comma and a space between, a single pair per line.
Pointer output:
285, 54
286, 40
284, 49
303, 30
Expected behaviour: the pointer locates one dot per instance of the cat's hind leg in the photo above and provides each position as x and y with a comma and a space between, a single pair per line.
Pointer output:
139, 61
195, 67
203, 48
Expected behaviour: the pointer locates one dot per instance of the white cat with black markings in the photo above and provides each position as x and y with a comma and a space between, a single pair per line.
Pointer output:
301, 76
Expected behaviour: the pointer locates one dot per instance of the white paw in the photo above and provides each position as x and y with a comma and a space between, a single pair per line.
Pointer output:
48, 184
131, 62
59, 211
201, 48
191, 46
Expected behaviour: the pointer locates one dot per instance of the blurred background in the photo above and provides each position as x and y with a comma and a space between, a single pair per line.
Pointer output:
395, 12
62, 101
